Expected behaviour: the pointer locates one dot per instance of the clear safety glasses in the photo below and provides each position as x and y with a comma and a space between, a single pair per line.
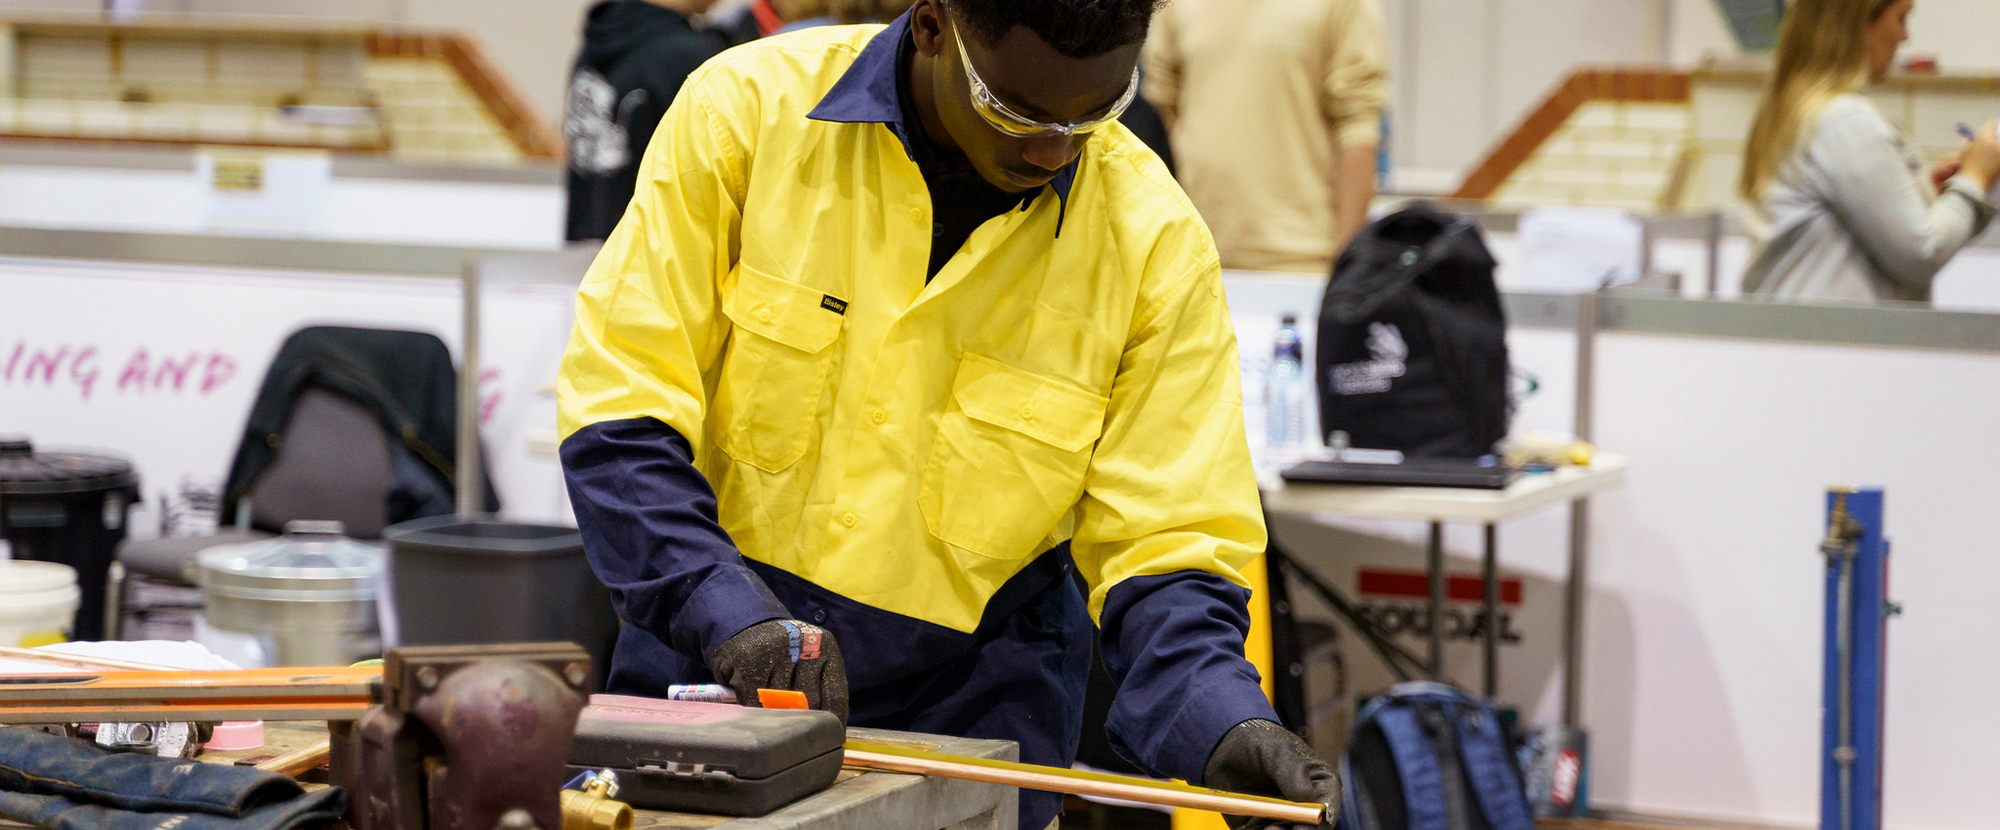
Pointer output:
1020, 126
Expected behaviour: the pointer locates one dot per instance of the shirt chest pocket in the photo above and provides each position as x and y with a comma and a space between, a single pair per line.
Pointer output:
1009, 458
774, 371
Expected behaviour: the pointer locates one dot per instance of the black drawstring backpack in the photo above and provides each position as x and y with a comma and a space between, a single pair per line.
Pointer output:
1412, 339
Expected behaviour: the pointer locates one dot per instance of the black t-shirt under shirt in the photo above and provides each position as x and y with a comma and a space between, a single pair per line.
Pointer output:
961, 200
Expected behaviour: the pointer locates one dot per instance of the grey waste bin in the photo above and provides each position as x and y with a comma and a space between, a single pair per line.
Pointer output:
479, 579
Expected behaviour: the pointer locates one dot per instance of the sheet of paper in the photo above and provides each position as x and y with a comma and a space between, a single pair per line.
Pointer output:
178, 654
1573, 250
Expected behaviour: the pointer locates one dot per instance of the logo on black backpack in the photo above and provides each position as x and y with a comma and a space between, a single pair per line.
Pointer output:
1386, 353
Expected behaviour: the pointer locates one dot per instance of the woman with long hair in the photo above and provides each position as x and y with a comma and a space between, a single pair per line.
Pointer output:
1842, 201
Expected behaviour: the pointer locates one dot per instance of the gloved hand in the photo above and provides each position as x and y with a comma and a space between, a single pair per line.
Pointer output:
784, 654
1262, 758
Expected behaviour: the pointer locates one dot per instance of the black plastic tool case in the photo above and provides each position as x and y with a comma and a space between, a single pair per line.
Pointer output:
707, 757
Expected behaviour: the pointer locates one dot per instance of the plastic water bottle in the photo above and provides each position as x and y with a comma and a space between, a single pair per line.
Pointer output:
1384, 162
1285, 388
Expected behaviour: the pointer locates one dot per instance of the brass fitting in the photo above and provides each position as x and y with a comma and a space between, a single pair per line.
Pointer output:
592, 808
1842, 530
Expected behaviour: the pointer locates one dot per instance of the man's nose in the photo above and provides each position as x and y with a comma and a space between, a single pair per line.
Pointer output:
1050, 153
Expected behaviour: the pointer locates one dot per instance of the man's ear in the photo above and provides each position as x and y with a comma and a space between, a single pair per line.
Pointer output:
927, 27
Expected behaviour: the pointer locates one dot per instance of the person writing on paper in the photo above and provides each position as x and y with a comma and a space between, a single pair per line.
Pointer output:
1843, 205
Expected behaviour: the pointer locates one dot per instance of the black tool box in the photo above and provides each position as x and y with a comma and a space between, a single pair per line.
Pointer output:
715, 758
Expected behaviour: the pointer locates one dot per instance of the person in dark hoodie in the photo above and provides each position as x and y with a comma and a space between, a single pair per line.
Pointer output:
635, 55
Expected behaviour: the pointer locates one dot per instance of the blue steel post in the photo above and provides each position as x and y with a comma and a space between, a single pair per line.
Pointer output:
1857, 612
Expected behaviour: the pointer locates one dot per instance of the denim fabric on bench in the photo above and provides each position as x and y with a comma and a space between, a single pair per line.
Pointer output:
55, 782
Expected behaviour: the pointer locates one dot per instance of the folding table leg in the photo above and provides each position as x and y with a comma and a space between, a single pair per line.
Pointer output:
1438, 580
1489, 573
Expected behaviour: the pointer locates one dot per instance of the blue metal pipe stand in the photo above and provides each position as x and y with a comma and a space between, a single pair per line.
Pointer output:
1857, 614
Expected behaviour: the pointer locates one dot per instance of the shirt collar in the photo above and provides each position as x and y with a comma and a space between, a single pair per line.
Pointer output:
866, 94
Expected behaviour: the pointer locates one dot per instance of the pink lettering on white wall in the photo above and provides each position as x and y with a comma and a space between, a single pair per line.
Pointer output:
81, 366
489, 394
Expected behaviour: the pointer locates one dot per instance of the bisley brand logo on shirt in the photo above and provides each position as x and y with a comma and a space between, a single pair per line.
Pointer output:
833, 304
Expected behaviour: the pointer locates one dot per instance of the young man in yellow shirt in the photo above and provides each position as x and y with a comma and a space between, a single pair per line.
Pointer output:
900, 327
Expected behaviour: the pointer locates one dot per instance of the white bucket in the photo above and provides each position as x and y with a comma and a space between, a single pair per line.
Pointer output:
38, 602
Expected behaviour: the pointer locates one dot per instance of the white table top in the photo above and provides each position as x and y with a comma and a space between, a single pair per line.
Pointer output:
1528, 494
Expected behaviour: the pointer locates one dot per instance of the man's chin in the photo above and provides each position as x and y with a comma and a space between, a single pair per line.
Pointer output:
1008, 181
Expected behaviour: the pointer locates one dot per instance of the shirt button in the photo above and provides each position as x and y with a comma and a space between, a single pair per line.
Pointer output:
879, 416
1027, 412
916, 213
819, 615
764, 314
850, 520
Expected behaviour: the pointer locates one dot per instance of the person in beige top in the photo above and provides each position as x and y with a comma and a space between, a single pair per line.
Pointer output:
1274, 108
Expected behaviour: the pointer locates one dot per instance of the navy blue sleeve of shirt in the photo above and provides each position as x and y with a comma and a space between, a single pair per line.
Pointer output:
1174, 645
648, 519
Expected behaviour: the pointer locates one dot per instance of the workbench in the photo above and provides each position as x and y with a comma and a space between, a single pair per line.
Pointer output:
859, 800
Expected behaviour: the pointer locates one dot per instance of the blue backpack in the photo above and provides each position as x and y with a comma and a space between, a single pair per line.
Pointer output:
1426, 756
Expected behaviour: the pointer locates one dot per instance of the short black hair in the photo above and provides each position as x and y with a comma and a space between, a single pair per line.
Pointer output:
1076, 28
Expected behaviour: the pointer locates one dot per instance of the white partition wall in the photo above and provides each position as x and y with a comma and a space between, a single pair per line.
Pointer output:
1706, 603
162, 360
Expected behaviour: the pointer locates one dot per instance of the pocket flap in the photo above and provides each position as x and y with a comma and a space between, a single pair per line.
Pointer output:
1046, 410
781, 310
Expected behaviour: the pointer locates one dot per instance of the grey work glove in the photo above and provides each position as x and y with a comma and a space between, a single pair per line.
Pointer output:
1259, 757
784, 654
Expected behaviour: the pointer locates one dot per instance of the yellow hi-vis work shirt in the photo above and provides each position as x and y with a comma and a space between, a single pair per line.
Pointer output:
905, 445
899, 461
